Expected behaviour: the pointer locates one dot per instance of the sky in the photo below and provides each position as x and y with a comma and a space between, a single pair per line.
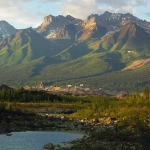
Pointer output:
30, 13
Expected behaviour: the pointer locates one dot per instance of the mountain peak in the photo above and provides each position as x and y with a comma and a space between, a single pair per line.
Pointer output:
69, 17
93, 16
52, 24
28, 31
6, 29
48, 20
107, 13
3, 21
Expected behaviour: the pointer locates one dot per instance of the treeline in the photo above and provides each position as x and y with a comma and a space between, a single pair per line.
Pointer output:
21, 95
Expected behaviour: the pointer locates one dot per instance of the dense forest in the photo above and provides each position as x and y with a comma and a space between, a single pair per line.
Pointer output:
21, 95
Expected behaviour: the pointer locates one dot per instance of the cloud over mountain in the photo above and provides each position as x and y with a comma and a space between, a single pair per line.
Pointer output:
25, 13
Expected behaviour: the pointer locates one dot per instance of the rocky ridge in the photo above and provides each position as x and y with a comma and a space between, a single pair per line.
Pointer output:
51, 25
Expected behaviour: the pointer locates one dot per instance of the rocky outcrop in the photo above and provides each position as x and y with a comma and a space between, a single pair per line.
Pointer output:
91, 29
49, 146
67, 32
51, 25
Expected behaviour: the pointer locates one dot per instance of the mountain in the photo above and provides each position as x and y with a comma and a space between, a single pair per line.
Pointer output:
24, 47
131, 41
91, 29
51, 25
113, 21
67, 32
6, 29
64, 50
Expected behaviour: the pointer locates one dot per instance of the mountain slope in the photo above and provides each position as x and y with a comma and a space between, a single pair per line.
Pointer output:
132, 42
25, 46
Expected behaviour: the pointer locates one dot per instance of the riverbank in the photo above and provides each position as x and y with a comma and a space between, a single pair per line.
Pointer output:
103, 133
15, 121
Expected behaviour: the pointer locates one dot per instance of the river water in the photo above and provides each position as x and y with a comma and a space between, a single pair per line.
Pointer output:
33, 140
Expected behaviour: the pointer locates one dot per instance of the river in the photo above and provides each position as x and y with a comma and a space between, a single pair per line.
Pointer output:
34, 140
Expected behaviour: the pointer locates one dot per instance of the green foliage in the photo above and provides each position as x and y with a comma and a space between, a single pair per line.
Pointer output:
21, 95
132, 110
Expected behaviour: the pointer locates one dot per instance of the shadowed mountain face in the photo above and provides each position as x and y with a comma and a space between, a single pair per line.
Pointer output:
66, 49
67, 32
1, 37
25, 46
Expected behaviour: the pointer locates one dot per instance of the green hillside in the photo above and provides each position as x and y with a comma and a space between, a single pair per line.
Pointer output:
28, 58
132, 42
24, 47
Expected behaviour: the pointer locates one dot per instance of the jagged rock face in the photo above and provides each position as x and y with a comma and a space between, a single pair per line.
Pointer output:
51, 25
6, 29
113, 21
67, 32
57, 27
91, 29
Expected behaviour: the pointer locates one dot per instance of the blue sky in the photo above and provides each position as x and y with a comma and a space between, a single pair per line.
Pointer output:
26, 13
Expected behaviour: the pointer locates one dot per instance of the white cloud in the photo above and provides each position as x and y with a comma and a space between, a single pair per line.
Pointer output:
25, 13
122, 3
80, 9
83, 8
